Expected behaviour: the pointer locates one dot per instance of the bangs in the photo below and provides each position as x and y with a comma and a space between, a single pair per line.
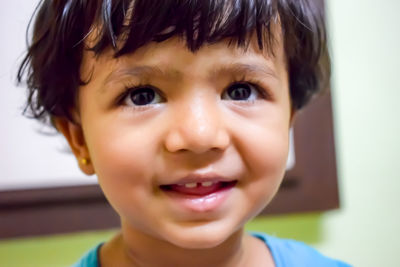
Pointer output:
198, 22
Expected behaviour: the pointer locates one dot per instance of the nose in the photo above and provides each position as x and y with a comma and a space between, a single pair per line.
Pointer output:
197, 127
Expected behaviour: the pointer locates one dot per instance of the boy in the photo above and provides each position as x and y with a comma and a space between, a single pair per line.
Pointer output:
182, 109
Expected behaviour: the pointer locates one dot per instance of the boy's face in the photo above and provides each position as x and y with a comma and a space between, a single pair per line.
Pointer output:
220, 117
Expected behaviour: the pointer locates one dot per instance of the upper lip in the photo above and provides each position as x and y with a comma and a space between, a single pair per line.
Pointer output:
200, 178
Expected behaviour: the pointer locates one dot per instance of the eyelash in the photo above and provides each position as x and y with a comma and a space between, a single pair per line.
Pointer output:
264, 93
130, 87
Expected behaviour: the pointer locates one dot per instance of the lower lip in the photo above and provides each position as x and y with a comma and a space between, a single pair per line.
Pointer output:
207, 203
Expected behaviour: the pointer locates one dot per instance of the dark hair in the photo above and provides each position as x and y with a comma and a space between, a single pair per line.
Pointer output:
52, 64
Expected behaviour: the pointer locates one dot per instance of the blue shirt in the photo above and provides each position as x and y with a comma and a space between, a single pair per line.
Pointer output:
285, 252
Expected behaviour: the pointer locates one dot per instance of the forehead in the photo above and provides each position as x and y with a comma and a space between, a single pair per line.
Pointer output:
173, 55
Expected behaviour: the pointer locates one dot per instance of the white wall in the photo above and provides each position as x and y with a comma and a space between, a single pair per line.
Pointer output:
365, 38
27, 159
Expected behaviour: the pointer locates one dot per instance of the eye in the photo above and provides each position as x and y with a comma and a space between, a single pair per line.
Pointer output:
241, 92
142, 96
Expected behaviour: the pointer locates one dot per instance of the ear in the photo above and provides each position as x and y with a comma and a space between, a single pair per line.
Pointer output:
76, 140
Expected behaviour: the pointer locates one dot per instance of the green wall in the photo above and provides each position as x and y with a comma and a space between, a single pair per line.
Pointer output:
365, 42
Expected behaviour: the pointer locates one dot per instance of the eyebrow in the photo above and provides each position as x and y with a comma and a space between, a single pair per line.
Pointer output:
233, 68
137, 71
238, 68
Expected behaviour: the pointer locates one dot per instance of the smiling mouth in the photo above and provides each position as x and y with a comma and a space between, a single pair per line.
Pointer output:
198, 188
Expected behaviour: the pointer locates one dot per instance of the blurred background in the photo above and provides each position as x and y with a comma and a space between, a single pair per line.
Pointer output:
365, 42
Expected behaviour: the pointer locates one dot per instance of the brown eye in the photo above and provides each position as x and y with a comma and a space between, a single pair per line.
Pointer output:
240, 92
142, 96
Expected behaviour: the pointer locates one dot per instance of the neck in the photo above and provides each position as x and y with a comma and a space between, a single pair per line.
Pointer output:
137, 249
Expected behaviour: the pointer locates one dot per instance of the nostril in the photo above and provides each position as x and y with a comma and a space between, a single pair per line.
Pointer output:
198, 143
197, 131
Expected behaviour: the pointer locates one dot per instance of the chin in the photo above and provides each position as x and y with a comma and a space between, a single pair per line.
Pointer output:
200, 236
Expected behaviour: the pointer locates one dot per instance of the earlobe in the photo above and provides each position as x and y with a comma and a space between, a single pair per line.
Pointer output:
73, 133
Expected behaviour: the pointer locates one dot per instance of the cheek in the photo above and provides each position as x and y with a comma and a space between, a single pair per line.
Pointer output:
267, 153
263, 143
264, 151
123, 158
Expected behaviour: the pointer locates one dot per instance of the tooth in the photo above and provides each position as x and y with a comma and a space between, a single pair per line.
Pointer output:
206, 184
191, 185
